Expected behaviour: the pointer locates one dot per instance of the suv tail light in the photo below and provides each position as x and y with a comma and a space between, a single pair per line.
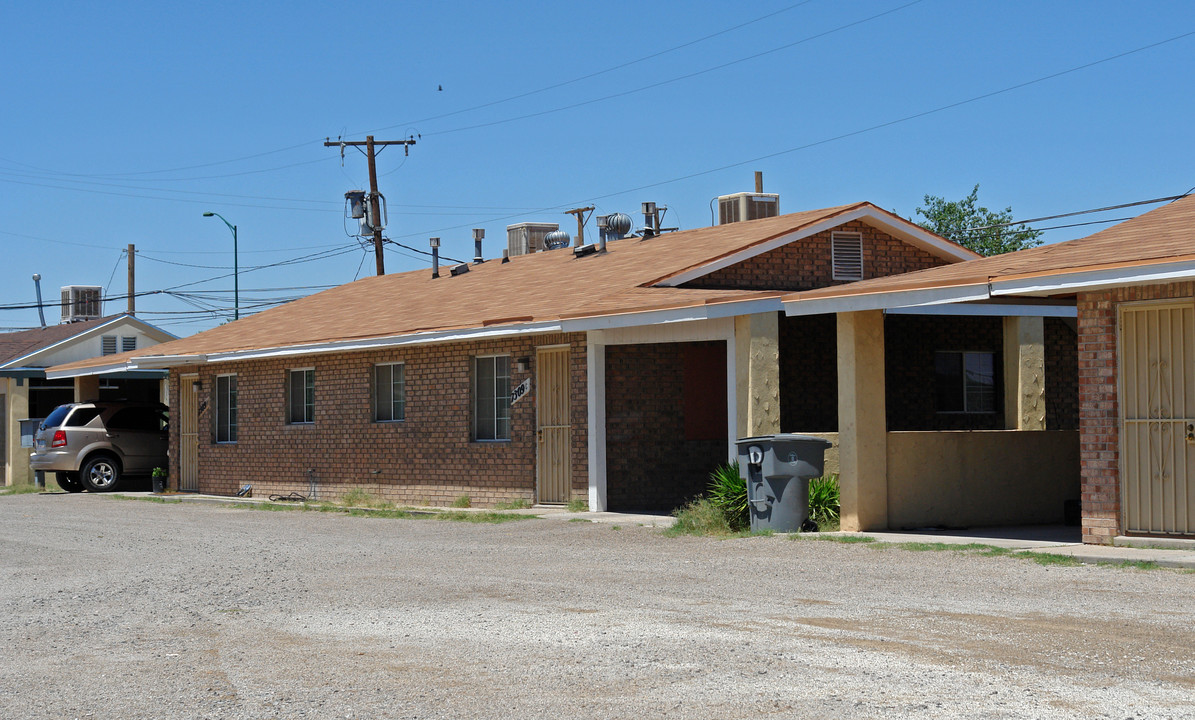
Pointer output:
59, 439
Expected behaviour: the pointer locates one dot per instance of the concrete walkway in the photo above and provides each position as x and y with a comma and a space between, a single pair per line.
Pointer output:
1054, 540
1049, 539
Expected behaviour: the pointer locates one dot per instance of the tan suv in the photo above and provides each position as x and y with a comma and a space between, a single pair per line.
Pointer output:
94, 445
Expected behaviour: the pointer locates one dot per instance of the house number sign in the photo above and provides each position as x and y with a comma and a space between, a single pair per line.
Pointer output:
520, 390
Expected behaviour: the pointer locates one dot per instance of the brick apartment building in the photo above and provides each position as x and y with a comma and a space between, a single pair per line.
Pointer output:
643, 364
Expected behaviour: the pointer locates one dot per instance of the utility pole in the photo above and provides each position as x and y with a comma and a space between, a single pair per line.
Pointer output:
580, 213
374, 198
132, 290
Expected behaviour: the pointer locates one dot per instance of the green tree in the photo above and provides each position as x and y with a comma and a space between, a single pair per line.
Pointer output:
957, 221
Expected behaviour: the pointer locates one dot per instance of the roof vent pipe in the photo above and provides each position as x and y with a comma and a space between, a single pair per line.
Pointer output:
602, 222
506, 256
478, 235
758, 181
649, 216
41, 314
435, 243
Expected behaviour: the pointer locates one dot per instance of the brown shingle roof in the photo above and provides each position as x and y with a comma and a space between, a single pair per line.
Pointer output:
545, 286
1166, 234
18, 344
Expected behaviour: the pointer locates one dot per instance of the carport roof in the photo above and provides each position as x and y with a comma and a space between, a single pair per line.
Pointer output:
541, 292
1155, 247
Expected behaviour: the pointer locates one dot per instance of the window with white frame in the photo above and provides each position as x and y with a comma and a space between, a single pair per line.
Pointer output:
965, 382
389, 392
846, 251
226, 408
491, 398
301, 396
108, 345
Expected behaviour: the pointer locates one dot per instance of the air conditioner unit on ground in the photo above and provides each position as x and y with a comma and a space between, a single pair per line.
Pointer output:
747, 206
82, 302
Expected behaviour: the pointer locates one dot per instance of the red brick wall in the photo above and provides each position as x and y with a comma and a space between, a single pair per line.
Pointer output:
808, 373
650, 464
429, 458
805, 265
1099, 413
1062, 375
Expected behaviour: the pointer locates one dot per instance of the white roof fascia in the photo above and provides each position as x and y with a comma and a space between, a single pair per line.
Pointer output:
17, 362
989, 310
86, 335
126, 366
912, 234
886, 301
672, 315
462, 335
1096, 279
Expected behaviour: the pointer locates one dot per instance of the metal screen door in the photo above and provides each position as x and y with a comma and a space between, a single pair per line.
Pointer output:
554, 474
188, 433
1157, 401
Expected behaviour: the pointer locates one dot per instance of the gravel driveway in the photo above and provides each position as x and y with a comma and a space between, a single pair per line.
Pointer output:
124, 609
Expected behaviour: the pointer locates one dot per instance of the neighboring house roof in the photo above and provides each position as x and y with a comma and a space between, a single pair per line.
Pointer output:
38, 347
632, 283
1155, 247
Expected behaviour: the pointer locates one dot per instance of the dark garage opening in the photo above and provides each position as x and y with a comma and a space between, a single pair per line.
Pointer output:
666, 423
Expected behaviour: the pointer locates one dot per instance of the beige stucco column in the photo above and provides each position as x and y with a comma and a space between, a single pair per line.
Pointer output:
87, 388
1024, 373
862, 421
16, 407
757, 373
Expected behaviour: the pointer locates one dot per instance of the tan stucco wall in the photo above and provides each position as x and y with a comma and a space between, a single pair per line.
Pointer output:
16, 469
757, 374
862, 421
978, 478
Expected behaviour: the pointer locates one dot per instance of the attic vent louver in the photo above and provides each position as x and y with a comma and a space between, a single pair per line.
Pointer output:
846, 250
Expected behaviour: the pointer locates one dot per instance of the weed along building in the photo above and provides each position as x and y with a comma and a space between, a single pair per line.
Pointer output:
1133, 286
635, 368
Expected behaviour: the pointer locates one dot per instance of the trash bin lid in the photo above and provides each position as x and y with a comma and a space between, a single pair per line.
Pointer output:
783, 437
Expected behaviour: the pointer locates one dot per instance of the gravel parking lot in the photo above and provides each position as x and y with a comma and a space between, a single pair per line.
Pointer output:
124, 609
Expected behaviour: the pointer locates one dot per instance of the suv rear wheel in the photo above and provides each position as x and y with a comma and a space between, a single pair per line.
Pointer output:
68, 482
100, 473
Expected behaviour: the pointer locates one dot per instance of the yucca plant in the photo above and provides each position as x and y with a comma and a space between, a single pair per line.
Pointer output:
728, 492
824, 502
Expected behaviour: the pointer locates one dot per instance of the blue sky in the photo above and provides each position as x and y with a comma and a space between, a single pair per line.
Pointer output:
125, 121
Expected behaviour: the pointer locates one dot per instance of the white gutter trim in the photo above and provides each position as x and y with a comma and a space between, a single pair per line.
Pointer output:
887, 301
686, 314
83, 372
384, 342
989, 310
1096, 279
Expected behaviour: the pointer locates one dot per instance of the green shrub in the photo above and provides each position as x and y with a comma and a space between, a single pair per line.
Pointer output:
728, 493
578, 505
824, 501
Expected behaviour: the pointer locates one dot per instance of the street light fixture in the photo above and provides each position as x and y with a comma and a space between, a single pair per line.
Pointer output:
236, 289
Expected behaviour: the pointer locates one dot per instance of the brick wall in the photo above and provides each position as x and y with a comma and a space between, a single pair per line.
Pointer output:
1062, 375
809, 373
1099, 413
650, 463
910, 342
428, 458
805, 265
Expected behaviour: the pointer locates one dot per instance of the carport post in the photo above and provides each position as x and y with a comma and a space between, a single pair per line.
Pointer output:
595, 400
862, 421
87, 388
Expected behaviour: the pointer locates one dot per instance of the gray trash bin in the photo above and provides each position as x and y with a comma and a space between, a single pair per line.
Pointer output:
778, 469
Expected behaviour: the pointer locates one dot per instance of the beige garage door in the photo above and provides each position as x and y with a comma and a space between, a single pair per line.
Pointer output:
1157, 401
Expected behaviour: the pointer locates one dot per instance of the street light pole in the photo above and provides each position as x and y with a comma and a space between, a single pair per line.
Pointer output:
236, 287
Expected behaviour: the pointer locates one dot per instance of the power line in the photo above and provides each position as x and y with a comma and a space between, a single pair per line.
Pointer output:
678, 78
1082, 212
